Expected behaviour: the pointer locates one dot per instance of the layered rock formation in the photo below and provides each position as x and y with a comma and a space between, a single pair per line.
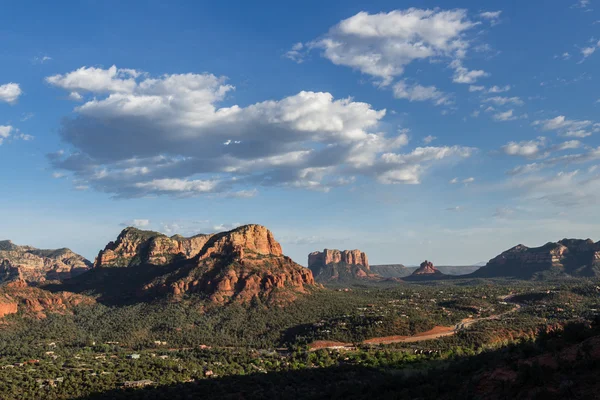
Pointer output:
426, 268
137, 247
340, 266
34, 265
573, 257
351, 257
239, 265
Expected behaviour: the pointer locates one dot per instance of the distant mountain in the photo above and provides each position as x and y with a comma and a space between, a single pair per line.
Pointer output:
568, 257
457, 269
34, 265
392, 270
340, 266
241, 265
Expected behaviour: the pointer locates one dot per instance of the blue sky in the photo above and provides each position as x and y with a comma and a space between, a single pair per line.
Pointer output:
409, 130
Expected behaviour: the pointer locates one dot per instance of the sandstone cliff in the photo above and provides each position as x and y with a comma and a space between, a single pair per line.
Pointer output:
137, 247
574, 257
240, 265
34, 265
340, 266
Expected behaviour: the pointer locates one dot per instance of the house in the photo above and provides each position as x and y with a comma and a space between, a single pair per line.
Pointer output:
133, 356
137, 384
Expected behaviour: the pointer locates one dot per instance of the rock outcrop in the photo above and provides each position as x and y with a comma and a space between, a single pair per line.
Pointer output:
19, 296
325, 257
34, 265
137, 247
426, 268
241, 265
574, 257
340, 266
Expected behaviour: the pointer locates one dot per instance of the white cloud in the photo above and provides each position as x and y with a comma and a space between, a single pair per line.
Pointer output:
382, 45
589, 50
41, 59
429, 139
501, 101
297, 53
466, 76
492, 16
9, 132
531, 148
178, 186
505, 116
137, 223
5, 131
464, 181
499, 89
416, 92
568, 128
75, 96
474, 88
138, 135
97, 80
10, 92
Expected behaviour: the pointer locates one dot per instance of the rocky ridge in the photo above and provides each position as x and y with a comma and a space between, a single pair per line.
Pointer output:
240, 265
574, 257
137, 247
35, 265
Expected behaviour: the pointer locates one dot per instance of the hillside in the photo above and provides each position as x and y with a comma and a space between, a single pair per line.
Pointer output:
35, 265
567, 257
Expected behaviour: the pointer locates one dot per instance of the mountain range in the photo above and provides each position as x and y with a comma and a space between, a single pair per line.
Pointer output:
243, 265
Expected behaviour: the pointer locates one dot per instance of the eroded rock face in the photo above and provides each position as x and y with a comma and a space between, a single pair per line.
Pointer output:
568, 256
136, 247
426, 268
18, 295
241, 265
335, 265
34, 265
325, 257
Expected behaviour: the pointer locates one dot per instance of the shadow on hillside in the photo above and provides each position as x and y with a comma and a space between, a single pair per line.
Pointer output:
326, 383
559, 365
116, 286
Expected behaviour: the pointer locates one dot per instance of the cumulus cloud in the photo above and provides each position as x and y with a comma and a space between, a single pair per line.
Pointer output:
382, 45
139, 135
10, 92
530, 148
416, 92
